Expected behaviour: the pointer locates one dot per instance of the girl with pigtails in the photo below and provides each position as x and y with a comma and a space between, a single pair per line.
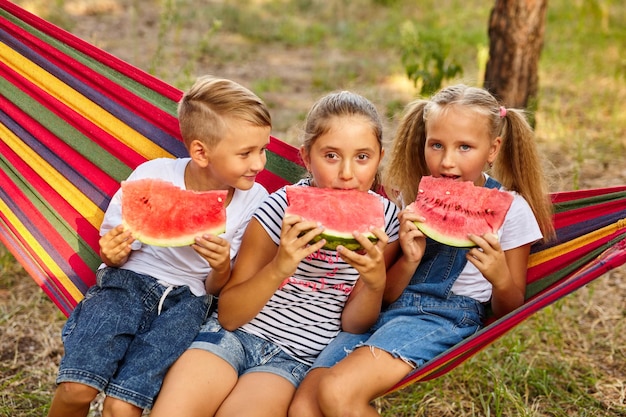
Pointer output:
440, 296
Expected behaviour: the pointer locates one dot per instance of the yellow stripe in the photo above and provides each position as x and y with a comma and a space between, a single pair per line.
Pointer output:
57, 272
82, 105
571, 245
74, 196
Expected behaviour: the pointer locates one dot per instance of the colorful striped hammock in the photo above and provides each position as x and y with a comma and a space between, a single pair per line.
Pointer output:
75, 120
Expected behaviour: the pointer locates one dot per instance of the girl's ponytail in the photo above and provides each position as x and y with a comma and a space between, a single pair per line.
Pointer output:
519, 168
407, 164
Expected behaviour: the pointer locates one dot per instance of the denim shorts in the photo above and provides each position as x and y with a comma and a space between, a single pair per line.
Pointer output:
415, 328
248, 353
116, 341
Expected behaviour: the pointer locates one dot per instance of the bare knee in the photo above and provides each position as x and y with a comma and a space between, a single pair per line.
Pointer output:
113, 407
75, 393
335, 397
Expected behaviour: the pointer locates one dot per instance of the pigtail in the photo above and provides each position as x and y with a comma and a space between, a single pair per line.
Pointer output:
407, 164
518, 168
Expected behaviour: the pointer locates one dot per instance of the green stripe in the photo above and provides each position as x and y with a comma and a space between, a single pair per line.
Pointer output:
79, 142
540, 285
589, 201
137, 88
284, 168
74, 240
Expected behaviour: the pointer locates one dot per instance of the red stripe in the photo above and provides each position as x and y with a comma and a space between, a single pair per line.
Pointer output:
588, 213
109, 143
53, 199
33, 269
271, 181
131, 102
540, 271
80, 164
99, 55
564, 196
37, 221
285, 150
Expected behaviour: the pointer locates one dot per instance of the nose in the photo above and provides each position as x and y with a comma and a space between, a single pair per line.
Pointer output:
448, 160
346, 172
259, 163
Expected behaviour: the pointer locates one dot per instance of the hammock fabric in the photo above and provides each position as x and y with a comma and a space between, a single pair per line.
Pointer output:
75, 121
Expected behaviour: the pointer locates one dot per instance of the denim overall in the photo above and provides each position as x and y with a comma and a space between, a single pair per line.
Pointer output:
427, 318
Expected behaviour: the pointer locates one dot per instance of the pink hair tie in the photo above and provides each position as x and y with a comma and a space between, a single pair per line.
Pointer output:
502, 111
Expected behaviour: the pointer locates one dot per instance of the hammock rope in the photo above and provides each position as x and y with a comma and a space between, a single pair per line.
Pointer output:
75, 121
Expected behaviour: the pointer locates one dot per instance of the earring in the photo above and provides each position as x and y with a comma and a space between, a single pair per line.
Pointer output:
490, 164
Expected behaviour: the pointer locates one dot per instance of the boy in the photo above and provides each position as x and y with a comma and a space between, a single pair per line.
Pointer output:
149, 302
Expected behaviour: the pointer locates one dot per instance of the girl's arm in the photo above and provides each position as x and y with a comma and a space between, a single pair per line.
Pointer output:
506, 271
363, 306
261, 267
413, 245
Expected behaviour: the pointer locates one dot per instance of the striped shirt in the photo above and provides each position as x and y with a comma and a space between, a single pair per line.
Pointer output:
304, 314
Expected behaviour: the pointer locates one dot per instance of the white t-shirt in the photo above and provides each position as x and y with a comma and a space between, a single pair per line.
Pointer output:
520, 228
304, 314
181, 265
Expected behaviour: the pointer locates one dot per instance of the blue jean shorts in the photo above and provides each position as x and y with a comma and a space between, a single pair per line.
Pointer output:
415, 328
248, 353
116, 341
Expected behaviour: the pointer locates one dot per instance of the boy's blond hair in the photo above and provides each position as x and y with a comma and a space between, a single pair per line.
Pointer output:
204, 110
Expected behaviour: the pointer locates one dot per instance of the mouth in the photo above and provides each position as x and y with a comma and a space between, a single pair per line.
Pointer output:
450, 176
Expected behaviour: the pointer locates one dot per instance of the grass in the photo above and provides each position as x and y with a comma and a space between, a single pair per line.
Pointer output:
568, 359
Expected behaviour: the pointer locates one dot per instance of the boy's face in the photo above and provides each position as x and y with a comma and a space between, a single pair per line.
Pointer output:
239, 157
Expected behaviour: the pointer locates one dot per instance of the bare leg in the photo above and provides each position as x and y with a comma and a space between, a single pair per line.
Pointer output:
195, 385
305, 401
258, 394
348, 387
72, 399
113, 407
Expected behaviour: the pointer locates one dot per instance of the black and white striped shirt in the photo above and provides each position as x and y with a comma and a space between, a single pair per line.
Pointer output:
304, 314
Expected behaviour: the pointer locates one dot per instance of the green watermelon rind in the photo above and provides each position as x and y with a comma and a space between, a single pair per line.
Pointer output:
333, 240
185, 240
446, 240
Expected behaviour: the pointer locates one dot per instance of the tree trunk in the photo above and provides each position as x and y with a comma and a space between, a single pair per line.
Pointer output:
516, 29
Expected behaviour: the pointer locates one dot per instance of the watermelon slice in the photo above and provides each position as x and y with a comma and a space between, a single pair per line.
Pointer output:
341, 212
161, 214
454, 209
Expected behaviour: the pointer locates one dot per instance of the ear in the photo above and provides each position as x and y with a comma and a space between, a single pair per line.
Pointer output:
306, 158
199, 153
496, 144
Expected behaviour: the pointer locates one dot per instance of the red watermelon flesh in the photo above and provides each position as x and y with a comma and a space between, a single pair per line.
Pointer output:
161, 214
454, 209
340, 212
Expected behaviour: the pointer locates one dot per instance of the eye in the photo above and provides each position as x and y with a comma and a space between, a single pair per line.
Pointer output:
362, 157
331, 155
436, 146
465, 148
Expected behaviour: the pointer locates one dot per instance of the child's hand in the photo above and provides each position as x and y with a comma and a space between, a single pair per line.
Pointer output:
488, 257
215, 250
115, 246
294, 244
412, 240
369, 261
